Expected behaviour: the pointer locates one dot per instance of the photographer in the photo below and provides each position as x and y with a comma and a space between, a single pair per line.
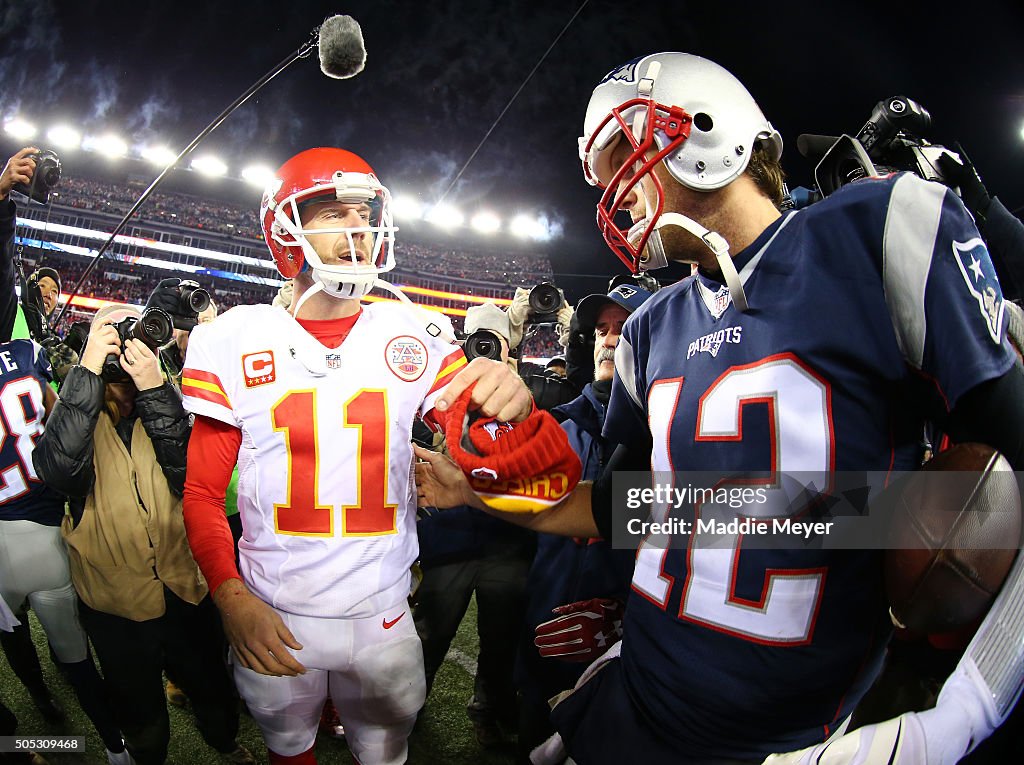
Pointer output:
19, 169
33, 558
543, 304
17, 644
116, 445
464, 551
41, 290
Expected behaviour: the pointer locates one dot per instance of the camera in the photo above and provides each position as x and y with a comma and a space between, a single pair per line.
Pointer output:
894, 138
545, 300
77, 336
192, 297
44, 179
154, 328
182, 299
192, 301
482, 343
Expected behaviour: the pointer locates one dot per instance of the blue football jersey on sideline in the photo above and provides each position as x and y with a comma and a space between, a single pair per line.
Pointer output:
866, 309
24, 373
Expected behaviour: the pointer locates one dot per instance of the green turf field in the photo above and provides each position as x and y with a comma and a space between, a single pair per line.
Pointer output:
443, 735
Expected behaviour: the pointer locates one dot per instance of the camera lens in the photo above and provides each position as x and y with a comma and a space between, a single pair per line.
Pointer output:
50, 173
154, 328
545, 298
483, 344
198, 300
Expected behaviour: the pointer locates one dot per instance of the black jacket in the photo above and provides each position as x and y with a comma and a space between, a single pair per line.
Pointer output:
63, 454
8, 297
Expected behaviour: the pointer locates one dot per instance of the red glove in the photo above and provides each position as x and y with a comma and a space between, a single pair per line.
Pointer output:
583, 630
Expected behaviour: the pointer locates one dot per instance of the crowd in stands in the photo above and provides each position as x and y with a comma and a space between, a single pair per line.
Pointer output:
512, 269
507, 268
178, 209
488, 273
127, 283
543, 344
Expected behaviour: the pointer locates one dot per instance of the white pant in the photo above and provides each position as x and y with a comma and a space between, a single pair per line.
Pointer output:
34, 565
372, 669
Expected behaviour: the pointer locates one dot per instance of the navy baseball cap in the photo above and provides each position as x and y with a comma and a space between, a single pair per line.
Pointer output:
47, 271
629, 296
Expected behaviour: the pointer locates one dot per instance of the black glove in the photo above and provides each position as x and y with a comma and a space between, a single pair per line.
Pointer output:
964, 175
579, 354
166, 296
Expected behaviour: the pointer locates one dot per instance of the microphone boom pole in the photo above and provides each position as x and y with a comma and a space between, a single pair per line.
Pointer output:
302, 52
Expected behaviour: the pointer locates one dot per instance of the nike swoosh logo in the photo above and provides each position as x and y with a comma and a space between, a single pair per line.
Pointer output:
388, 625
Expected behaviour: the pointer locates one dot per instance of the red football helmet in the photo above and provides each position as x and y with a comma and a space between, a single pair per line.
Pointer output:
328, 174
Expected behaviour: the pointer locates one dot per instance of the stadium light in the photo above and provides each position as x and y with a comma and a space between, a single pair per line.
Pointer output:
64, 137
258, 175
158, 155
108, 145
528, 227
208, 165
20, 129
406, 208
486, 222
445, 216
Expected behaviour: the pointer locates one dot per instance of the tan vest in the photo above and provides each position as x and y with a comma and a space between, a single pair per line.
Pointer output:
131, 539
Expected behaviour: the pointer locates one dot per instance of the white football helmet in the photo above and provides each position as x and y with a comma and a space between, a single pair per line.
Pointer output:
687, 112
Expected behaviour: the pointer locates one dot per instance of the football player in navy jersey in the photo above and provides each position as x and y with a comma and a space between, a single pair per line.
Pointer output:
34, 564
817, 340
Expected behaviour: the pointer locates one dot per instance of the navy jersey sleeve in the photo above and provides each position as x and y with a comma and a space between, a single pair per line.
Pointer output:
941, 289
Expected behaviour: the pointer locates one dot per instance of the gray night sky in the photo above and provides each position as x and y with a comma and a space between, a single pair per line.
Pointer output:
438, 74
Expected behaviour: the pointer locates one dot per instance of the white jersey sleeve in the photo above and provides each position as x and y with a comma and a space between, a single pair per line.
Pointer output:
450, 366
205, 382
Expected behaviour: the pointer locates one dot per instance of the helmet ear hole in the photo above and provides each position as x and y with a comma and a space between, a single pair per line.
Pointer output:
703, 122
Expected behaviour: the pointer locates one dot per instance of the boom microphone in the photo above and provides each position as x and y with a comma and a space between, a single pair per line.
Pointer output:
342, 53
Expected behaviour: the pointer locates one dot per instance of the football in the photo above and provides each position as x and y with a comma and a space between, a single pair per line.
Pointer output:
952, 539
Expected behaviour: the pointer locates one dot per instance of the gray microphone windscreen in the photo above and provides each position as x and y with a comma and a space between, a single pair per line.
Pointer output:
342, 53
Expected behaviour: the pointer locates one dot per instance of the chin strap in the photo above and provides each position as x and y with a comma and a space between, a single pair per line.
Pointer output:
434, 329
317, 287
714, 241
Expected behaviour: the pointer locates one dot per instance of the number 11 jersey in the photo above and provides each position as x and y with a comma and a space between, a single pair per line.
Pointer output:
325, 488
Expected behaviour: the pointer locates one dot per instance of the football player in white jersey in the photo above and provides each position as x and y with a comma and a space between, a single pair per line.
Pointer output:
316, 405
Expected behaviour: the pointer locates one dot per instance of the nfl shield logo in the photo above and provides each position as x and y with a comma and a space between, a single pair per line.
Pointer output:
334, 361
722, 300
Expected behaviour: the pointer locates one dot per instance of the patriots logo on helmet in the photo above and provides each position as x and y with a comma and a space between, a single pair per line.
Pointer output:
979, 273
624, 73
